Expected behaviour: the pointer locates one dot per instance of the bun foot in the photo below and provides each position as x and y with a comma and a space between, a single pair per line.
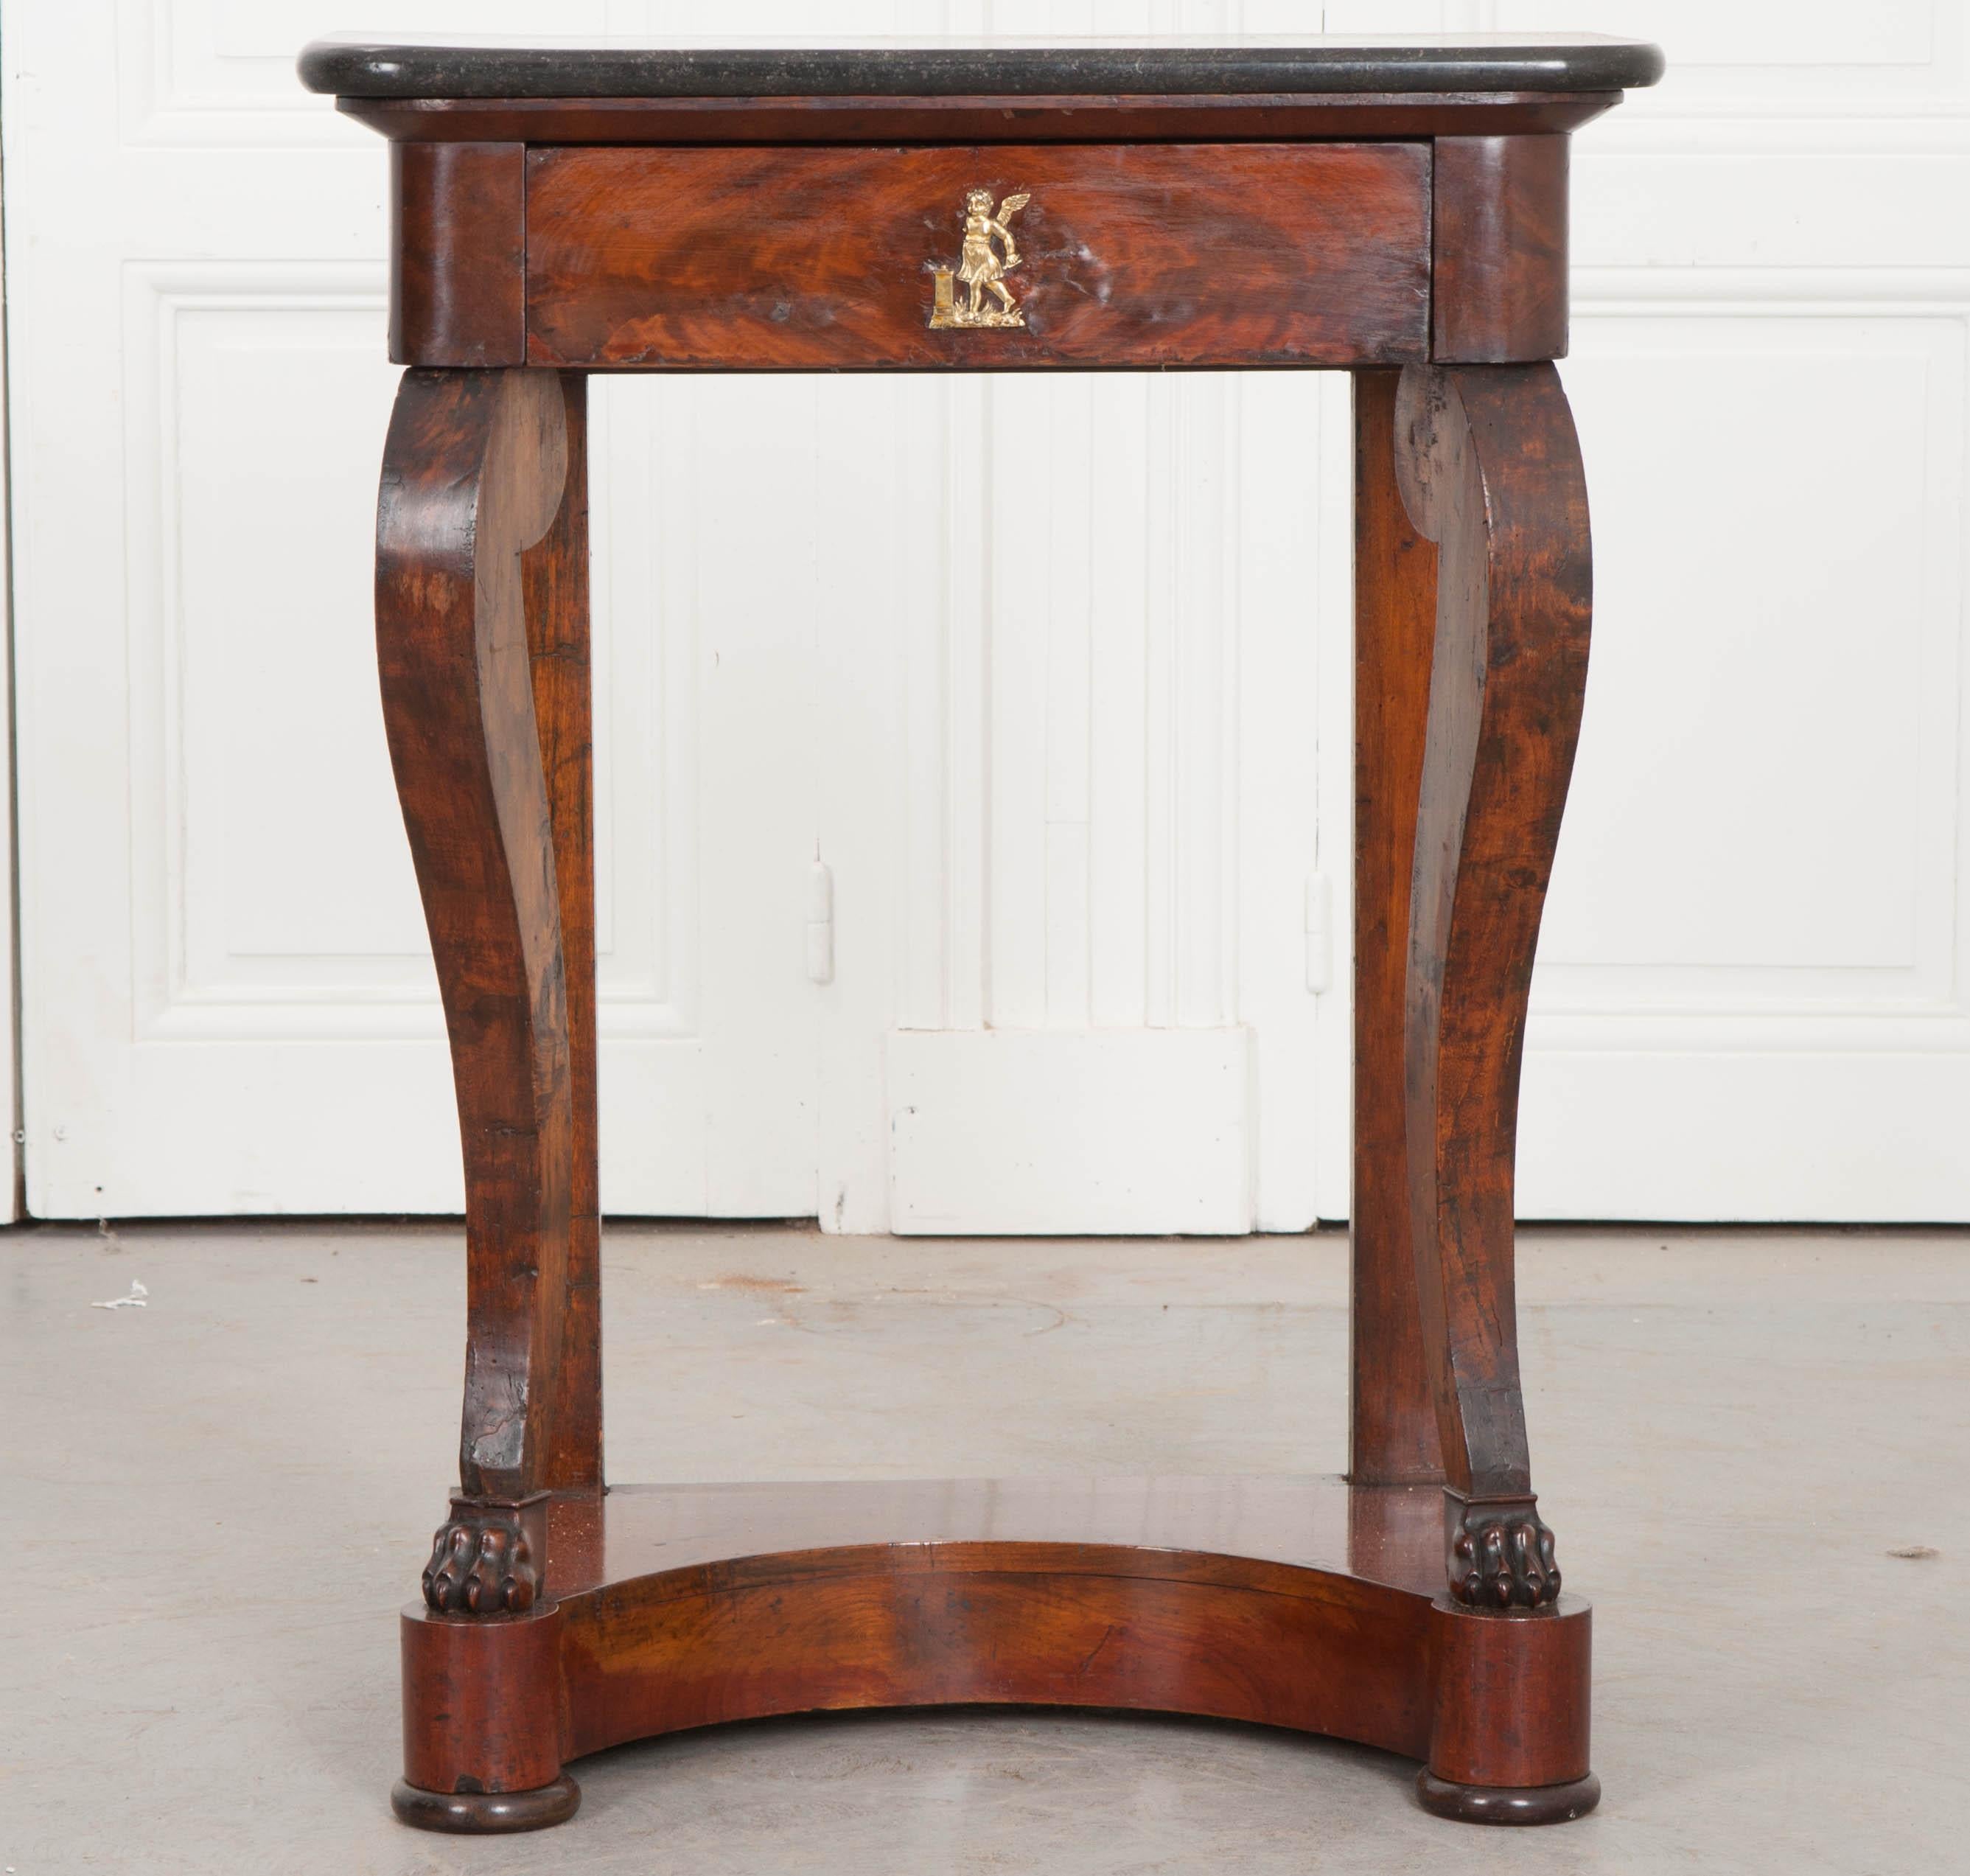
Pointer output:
480, 1813
1508, 1804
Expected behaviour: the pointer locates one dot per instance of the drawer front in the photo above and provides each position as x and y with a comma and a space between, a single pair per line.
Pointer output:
1142, 255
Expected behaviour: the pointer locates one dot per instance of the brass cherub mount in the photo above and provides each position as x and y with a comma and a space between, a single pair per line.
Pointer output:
980, 269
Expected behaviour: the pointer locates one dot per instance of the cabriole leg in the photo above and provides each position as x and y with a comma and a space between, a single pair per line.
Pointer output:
490, 754
1490, 468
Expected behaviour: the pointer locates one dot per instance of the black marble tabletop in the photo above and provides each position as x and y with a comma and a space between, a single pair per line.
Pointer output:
368, 67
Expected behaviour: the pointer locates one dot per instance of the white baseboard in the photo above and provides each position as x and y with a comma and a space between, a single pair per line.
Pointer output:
996, 1132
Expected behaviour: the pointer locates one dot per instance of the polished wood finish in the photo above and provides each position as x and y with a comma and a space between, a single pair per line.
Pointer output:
554, 578
458, 252
1524, 1804
1290, 1602
485, 1707
474, 473
1418, 239
1234, 255
1530, 1728
485, 1813
1006, 1626
1090, 118
1501, 294
1489, 467
1392, 1416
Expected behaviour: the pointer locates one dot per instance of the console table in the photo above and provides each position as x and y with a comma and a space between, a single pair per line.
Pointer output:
1395, 209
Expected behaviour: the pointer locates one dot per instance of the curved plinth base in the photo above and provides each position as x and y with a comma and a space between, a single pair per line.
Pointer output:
1492, 1804
1298, 1603
483, 1813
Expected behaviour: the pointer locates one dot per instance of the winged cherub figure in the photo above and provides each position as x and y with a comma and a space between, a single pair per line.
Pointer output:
979, 267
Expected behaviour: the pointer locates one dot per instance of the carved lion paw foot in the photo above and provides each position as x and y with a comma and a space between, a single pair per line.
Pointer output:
1501, 1555
481, 1563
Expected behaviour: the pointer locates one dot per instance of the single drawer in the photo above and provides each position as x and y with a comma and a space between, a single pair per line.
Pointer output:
1141, 255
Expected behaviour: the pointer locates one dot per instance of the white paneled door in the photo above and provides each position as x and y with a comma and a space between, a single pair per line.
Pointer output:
972, 755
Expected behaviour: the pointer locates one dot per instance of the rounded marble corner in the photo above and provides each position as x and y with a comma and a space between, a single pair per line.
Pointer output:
437, 69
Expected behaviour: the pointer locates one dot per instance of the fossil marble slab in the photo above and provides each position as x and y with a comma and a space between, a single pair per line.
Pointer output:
410, 67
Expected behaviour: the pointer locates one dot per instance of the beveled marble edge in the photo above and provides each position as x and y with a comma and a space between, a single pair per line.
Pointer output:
353, 67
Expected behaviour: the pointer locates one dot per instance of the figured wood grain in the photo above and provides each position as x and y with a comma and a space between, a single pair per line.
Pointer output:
1529, 1724
653, 233
1289, 1602
1490, 468
458, 253
484, 1708
555, 582
746, 259
1392, 1415
1095, 117
1023, 1632
474, 473
697, 1536
1500, 243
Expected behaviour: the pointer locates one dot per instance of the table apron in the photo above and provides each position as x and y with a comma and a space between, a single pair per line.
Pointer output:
1145, 256
832, 258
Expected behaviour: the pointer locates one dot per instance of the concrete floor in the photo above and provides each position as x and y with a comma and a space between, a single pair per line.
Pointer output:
1752, 1447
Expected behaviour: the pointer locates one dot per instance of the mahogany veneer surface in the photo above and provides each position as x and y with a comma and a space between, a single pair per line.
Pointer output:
952, 206
986, 117
1293, 1602
1395, 1536
1130, 254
